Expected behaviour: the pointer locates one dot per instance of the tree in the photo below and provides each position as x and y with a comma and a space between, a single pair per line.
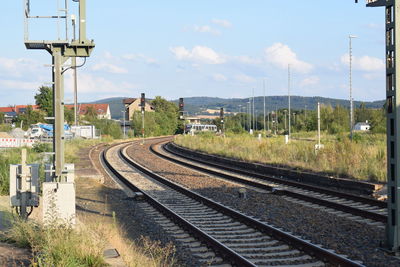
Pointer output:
91, 114
44, 98
30, 117
163, 121
1, 117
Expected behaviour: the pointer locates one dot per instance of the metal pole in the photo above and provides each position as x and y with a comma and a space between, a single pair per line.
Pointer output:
254, 113
289, 97
75, 79
58, 107
143, 127
319, 126
350, 86
393, 123
268, 121
124, 111
264, 106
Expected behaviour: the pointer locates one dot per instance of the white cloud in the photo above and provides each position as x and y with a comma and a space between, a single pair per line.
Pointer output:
245, 78
248, 60
206, 29
19, 85
219, 77
281, 55
312, 80
222, 22
199, 54
364, 63
109, 68
88, 83
18, 67
140, 57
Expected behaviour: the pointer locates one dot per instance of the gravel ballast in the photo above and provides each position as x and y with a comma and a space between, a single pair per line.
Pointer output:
356, 240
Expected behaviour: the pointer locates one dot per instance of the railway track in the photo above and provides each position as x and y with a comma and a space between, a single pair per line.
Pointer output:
238, 239
361, 209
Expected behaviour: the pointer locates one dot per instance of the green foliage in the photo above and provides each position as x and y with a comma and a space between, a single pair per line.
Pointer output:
30, 117
108, 127
364, 159
1, 117
44, 98
91, 114
69, 115
163, 121
5, 127
59, 245
12, 156
42, 147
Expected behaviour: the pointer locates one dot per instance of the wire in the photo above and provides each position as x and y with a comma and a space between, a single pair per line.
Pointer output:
75, 67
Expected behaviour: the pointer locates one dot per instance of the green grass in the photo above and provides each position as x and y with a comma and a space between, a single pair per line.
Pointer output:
59, 245
363, 159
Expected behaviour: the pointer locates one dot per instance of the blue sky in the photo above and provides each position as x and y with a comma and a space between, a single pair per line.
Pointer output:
215, 48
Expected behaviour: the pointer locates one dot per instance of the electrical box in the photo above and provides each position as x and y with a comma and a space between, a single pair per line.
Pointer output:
32, 185
59, 203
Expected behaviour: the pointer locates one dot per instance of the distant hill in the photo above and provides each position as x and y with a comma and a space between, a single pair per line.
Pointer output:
198, 105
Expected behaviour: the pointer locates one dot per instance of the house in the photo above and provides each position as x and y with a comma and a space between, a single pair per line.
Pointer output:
133, 104
10, 113
102, 110
362, 126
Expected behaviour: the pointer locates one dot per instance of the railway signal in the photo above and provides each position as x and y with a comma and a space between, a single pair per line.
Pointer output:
392, 11
181, 108
221, 116
60, 185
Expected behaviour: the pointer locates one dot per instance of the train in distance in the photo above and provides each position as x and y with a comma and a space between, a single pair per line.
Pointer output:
196, 128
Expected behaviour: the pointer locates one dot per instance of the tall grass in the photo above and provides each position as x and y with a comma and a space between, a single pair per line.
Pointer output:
59, 245
363, 159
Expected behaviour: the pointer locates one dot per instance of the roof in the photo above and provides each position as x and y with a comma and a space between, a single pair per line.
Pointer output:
18, 108
100, 109
128, 101
362, 124
7, 109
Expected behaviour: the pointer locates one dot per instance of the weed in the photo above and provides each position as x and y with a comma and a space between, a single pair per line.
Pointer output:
364, 158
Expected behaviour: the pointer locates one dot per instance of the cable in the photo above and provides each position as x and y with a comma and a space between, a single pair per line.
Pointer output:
84, 62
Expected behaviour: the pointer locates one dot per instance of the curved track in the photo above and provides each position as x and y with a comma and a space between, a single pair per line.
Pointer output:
358, 208
238, 239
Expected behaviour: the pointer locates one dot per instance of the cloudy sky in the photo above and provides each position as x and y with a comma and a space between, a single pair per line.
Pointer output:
221, 48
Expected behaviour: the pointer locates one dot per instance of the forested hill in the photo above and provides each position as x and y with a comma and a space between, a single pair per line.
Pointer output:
200, 104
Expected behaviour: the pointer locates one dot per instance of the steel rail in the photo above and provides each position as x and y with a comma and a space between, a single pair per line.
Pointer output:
226, 253
341, 207
307, 247
374, 202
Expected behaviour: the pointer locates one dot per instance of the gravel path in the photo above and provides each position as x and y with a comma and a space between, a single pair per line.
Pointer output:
358, 241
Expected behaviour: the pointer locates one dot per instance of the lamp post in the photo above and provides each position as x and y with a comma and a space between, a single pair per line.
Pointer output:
350, 85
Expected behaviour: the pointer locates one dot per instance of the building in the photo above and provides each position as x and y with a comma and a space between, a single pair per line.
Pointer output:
102, 110
362, 126
11, 113
132, 105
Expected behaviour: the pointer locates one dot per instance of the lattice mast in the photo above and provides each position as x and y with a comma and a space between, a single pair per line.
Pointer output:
392, 11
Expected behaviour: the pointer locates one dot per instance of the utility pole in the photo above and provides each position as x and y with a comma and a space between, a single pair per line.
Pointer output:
254, 113
289, 98
124, 111
264, 106
392, 11
73, 19
319, 126
249, 109
350, 86
142, 107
